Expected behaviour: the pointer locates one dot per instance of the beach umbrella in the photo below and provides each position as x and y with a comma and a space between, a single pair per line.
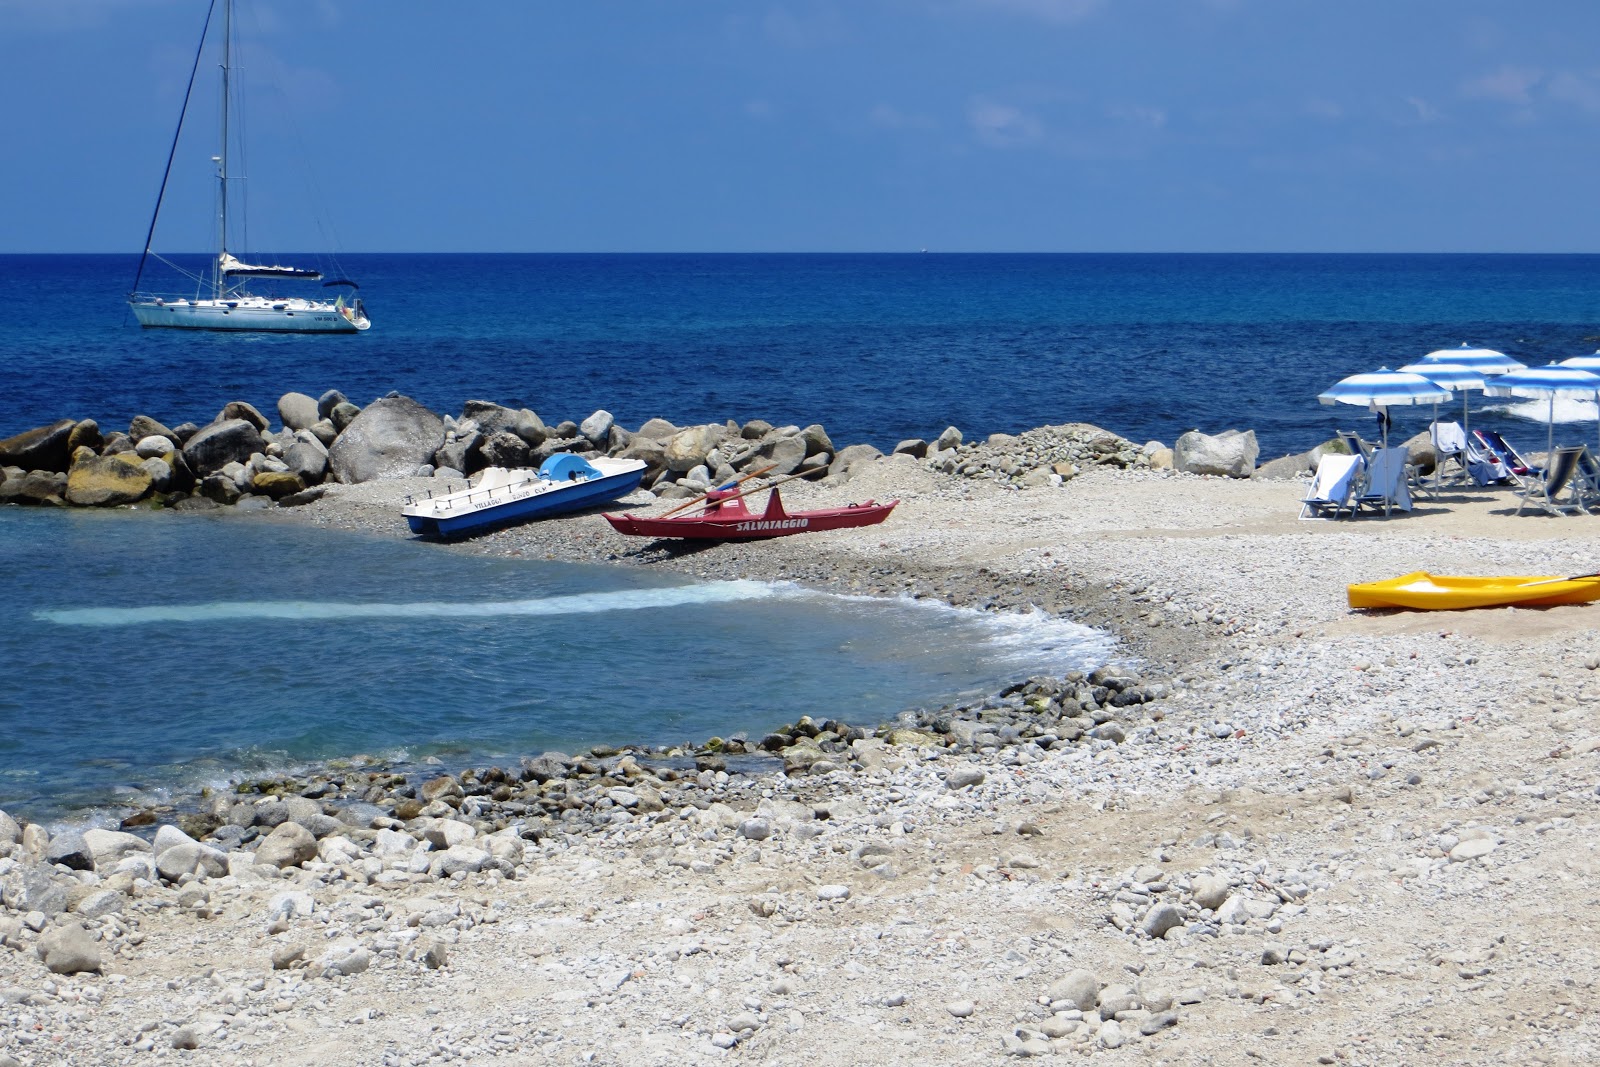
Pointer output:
1483, 360
1384, 388
1550, 382
1455, 377
1588, 363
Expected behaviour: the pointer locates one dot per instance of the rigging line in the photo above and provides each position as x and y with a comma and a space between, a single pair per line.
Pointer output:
173, 151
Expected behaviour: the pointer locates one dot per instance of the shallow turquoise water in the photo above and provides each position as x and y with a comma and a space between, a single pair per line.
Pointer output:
150, 652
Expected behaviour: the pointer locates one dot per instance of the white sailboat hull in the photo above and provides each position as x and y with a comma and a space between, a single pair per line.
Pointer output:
254, 313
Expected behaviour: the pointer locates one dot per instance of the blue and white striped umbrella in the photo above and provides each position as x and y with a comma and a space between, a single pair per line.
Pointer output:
1484, 360
1588, 363
1384, 388
1549, 381
1455, 377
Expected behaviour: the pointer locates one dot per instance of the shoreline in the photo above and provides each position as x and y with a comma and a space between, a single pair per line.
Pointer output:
1341, 835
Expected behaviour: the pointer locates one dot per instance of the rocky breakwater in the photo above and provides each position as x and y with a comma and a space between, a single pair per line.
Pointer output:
238, 458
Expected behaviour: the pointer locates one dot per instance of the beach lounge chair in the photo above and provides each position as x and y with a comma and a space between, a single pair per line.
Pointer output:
1558, 490
1449, 452
1333, 488
1355, 444
1517, 468
1383, 484
1483, 466
1588, 477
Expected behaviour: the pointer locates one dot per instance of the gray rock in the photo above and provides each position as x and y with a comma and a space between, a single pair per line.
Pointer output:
755, 829
287, 955
949, 438
306, 460
221, 443
298, 411
963, 777
1079, 988
914, 447
42, 449
68, 948
687, 449
659, 430
1210, 891
243, 409
184, 1038
154, 446
390, 439
506, 449
1230, 453
850, 456
99, 904
289, 845
37, 890
69, 849
1161, 918
1284, 468
462, 453
783, 452
342, 415
143, 426
597, 428
328, 401
109, 847
10, 830
191, 858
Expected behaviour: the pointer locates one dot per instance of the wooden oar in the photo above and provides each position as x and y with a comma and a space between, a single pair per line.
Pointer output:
1552, 581
770, 485
737, 481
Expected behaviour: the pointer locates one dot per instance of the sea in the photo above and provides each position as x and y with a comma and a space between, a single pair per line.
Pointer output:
149, 655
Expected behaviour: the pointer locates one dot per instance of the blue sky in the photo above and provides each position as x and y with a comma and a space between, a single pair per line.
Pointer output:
821, 125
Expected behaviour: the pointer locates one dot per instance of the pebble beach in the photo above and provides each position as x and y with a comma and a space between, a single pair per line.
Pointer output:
1272, 831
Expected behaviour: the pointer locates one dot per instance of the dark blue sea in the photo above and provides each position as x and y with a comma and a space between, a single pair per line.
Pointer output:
148, 654
877, 348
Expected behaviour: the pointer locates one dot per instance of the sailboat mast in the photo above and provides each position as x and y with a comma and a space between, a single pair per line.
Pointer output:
222, 157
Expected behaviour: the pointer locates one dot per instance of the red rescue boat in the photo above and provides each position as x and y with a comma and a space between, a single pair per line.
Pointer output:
727, 518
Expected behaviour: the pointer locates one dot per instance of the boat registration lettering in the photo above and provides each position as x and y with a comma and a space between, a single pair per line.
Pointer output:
757, 525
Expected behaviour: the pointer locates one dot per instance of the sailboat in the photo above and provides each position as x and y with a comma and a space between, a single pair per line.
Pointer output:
223, 297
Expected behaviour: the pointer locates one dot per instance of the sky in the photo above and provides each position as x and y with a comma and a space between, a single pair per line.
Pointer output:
816, 125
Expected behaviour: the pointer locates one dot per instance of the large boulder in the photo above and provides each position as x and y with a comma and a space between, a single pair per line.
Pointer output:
298, 411
41, 449
506, 449
289, 844
597, 428
492, 418
85, 435
243, 409
783, 452
68, 948
221, 443
849, 456
390, 438
307, 457
688, 448
108, 481
144, 426
1230, 453
34, 487
462, 453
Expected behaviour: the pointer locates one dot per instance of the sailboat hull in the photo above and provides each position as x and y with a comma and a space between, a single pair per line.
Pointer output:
256, 314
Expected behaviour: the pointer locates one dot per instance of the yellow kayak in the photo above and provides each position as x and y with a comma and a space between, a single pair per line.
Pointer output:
1429, 592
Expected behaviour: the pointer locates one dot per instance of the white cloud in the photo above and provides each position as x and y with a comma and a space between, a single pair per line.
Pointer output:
1511, 85
1003, 126
1576, 89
